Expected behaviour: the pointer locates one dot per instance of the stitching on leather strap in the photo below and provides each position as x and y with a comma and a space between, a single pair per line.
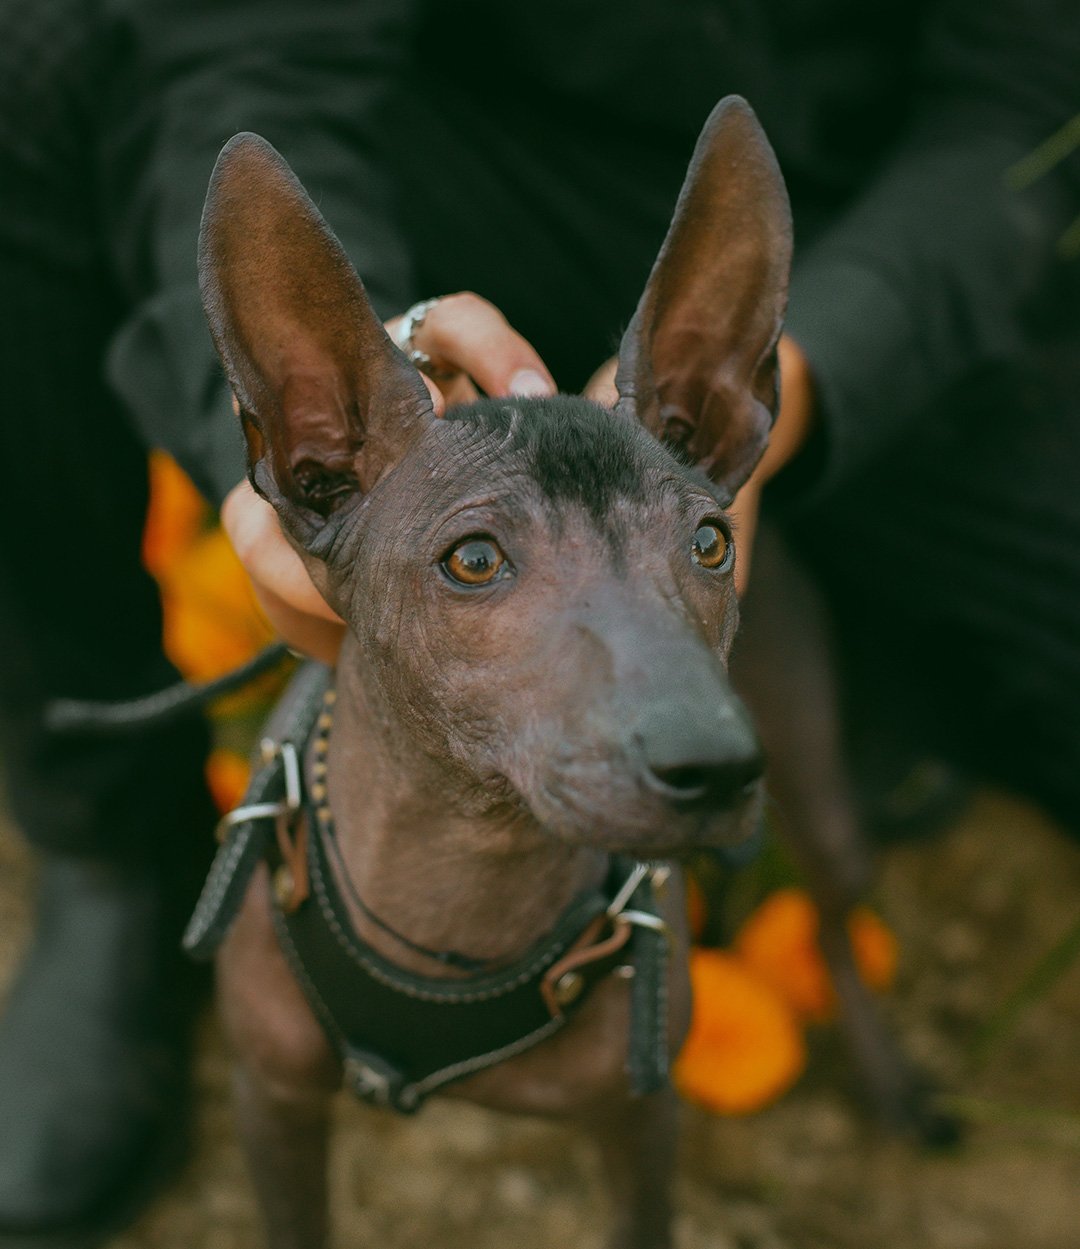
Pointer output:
586, 950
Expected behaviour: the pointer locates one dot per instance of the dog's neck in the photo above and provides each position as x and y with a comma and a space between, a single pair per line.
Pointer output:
485, 882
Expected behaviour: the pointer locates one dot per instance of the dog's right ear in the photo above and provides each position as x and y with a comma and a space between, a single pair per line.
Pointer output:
328, 403
698, 363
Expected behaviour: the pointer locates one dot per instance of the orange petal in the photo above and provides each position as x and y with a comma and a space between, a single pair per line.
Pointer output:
212, 620
877, 951
227, 775
744, 1047
176, 514
696, 909
780, 942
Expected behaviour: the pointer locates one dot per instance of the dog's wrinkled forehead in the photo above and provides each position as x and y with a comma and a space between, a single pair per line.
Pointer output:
571, 450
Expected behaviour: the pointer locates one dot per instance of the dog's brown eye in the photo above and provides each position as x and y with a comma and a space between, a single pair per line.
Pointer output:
476, 561
712, 547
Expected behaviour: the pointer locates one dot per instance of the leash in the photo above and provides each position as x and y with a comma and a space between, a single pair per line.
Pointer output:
274, 797
70, 715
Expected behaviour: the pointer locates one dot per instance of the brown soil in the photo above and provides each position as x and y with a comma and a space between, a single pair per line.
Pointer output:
975, 912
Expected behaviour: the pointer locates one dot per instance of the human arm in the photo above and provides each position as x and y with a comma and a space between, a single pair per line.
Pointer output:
927, 279
188, 75
902, 297
312, 79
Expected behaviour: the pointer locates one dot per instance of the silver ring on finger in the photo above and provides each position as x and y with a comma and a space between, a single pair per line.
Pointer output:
405, 339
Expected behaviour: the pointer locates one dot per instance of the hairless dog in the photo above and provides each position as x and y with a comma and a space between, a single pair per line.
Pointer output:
533, 686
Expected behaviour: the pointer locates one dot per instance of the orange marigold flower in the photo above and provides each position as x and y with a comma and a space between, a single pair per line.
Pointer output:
744, 1047
877, 952
780, 942
696, 908
227, 775
212, 620
176, 514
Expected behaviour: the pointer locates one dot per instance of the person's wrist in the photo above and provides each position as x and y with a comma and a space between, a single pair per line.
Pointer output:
795, 419
281, 583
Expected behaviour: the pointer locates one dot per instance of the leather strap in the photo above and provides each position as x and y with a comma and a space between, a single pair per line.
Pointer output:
247, 842
649, 1057
401, 1035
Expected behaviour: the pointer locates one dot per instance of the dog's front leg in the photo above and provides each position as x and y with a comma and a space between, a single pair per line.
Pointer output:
285, 1133
636, 1137
286, 1073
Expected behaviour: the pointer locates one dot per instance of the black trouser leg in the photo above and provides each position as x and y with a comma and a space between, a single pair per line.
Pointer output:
93, 1041
78, 615
93, 1037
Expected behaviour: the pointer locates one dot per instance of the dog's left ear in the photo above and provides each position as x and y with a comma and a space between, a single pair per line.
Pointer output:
698, 363
328, 403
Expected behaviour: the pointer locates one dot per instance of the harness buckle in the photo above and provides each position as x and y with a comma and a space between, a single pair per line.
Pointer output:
290, 882
378, 1082
288, 806
619, 912
290, 763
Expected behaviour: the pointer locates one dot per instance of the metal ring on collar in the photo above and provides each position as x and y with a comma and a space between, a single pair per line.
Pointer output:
405, 338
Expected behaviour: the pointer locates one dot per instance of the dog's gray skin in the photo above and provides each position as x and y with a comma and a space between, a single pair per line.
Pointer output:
492, 742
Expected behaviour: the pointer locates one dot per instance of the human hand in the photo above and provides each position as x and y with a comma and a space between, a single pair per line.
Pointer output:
600, 388
297, 611
462, 333
790, 430
470, 338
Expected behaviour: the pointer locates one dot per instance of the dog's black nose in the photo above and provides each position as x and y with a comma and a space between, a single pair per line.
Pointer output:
698, 758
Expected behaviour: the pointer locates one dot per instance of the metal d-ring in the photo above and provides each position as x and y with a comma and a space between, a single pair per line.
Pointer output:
640, 919
627, 889
644, 919
289, 805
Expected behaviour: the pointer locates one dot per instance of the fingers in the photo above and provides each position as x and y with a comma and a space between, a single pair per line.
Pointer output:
795, 420
743, 513
790, 432
438, 397
309, 635
253, 529
281, 583
466, 332
600, 388
459, 389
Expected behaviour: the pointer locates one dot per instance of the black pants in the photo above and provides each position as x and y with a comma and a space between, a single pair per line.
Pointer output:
78, 615
952, 569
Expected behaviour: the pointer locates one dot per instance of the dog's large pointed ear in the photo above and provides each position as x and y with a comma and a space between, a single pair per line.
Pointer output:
327, 401
698, 364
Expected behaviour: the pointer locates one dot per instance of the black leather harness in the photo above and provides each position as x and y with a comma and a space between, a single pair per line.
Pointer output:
400, 1035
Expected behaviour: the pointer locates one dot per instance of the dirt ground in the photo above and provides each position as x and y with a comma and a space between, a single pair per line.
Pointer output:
976, 911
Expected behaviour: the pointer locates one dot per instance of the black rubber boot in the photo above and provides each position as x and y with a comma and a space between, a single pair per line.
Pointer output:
95, 1047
